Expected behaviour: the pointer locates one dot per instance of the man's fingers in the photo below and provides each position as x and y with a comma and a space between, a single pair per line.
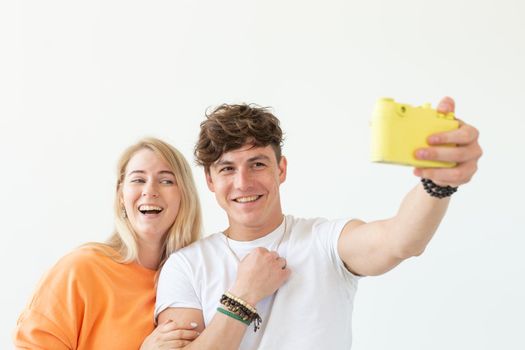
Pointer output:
446, 105
274, 255
463, 135
281, 262
287, 273
450, 154
178, 344
449, 176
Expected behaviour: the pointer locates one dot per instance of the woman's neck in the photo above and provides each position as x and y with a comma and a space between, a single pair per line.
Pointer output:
149, 255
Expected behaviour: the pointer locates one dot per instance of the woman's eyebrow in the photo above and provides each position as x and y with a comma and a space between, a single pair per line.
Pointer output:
169, 172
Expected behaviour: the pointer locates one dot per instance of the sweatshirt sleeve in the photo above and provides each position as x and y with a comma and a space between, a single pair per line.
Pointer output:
53, 317
36, 331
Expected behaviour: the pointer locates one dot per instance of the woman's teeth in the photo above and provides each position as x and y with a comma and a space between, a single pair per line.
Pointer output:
150, 209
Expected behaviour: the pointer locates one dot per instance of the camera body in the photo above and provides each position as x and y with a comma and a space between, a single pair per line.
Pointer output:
398, 130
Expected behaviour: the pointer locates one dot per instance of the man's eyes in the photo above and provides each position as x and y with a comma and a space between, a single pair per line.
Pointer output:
226, 169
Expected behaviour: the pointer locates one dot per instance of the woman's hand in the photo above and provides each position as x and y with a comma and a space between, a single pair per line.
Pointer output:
169, 336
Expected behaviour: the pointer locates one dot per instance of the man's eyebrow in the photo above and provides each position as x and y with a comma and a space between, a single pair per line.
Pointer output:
259, 157
221, 162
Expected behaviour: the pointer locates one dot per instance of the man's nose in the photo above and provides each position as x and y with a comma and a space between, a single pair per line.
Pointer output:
243, 179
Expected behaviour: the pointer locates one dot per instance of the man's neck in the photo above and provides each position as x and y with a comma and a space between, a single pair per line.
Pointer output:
241, 232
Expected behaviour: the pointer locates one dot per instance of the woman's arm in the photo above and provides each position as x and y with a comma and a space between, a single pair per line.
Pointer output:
259, 275
170, 335
50, 319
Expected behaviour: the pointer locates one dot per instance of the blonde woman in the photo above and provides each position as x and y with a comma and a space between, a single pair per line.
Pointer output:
102, 295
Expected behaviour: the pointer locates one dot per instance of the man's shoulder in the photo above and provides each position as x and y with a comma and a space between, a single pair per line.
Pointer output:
305, 224
206, 243
304, 221
197, 255
315, 225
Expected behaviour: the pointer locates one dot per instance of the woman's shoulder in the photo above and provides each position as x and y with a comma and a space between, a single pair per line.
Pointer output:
84, 258
78, 269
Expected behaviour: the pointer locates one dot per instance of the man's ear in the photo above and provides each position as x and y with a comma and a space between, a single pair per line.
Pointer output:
209, 180
283, 165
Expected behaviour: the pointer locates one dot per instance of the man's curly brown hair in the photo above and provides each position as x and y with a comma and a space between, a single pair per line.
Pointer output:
229, 127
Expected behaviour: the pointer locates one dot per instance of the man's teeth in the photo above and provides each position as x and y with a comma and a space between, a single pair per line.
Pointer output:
246, 199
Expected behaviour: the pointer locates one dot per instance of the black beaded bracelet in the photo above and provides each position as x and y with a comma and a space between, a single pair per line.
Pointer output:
436, 190
244, 311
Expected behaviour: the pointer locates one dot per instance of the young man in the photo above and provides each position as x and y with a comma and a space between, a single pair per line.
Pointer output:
240, 149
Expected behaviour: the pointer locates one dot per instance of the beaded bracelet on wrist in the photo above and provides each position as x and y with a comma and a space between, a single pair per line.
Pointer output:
240, 301
232, 315
240, 308
236, 307
436, 190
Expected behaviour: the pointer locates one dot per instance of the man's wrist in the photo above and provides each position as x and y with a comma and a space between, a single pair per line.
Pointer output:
244, 295
239, 309
437, 191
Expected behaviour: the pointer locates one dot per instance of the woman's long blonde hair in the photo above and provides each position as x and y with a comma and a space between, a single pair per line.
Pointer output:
187, 226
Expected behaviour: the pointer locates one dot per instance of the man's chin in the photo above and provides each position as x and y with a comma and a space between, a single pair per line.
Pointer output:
248, 220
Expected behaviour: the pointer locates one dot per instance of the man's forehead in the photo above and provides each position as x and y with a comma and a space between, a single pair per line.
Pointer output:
246, 153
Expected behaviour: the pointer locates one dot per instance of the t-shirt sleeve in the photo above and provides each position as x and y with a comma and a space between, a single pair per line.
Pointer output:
176, 286
51, 320
327, 232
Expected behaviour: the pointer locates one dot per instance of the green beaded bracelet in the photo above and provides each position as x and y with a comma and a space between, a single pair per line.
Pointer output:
232, 315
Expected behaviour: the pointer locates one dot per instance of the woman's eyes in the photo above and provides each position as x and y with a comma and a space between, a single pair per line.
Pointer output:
162, 181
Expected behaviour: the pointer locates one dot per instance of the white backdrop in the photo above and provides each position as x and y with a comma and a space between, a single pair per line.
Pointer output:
79, 81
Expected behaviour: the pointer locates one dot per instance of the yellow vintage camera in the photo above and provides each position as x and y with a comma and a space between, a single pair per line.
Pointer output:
398, 130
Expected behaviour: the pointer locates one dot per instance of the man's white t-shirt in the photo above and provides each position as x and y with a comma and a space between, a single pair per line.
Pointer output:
313, 308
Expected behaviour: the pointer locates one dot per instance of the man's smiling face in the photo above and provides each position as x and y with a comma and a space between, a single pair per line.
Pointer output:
246, 185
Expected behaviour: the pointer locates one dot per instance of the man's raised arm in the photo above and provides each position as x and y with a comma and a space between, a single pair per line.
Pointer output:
377, 247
